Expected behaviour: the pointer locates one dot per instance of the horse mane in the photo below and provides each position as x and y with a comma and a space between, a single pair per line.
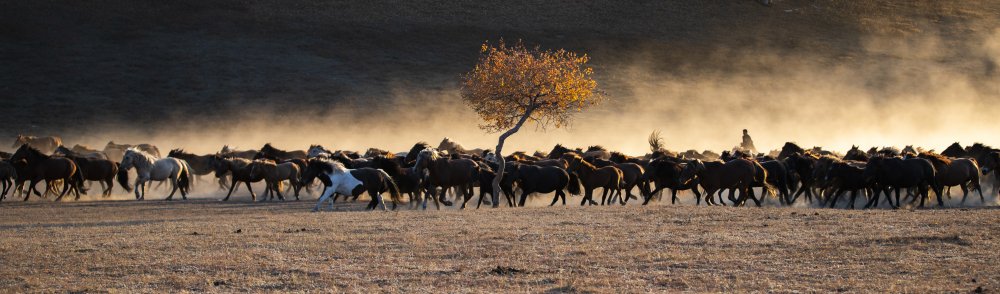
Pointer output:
431, 154
934, 157
596, 148
329, 166
581, 160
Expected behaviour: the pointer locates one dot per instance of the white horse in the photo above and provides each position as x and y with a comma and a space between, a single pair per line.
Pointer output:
149, 168
339, 180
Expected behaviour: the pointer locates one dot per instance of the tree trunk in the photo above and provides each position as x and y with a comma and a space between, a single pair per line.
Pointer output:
500, 160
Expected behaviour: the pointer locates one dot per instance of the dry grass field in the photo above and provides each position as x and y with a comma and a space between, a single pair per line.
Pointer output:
205, 245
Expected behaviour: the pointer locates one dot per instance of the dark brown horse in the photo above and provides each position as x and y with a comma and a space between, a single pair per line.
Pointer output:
276, 154
46, 145
446, 173
896, 173
962, 172
665, 172
94, 169
41, 167
845, 176
558, 151
632, 176
544, 179
411, 156
736, 175
408, 181
608, 178
240, 171
230, 152
803, 167
7, 176
856, 154
788, 149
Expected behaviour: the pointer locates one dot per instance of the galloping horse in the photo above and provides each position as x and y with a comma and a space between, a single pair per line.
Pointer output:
962, 172
43, 144
39, 167
446, 173
94, 169
609, 178
116, 152
338, 179
149, 168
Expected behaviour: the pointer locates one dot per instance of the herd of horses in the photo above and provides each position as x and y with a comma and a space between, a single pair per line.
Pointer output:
427, 174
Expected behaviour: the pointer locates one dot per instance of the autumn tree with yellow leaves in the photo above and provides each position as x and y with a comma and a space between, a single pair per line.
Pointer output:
514, 85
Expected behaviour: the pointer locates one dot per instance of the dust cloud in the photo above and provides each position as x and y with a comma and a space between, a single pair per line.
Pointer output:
924, 91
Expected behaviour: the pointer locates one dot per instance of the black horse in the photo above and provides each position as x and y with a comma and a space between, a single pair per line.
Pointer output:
544, 179
665, 172
896, 173
846, 176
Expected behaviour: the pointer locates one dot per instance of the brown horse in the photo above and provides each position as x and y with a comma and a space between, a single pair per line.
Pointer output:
665, 173
45, 145
200, 164
407, 180
94, 169
632, 176
81, 151
736, 175
115, 152
962, 172
609, 178
274, 175
41, 167
240, 171
446, 173
453, 147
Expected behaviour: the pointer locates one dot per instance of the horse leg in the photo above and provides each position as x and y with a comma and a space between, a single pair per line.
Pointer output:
965, 193
604, 196
31, 187
586, 195
444, 196
723, 203
326, 195
173, 183
253, 196
524, 196
468, 197
232, 185
754, 197
832, 200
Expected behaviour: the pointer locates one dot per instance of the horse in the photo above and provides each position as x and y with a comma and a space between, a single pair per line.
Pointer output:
45, 145
276, 154
94, 169
407, 180
632, 175
338, 179
149, 168
597, 151
803, 165
544, 179
317, 151
665, 173
7, 176
239, 171
846, 176
777, 176
962, 172
446, 173
856, 154
897, 173
788, 149
227, 151
990, 165
609, 178
200, 164
486, 176
453, 147
411, 156
736, 175
116, 152
39, 166
955, 150
274, 175
558, 151
372, 152
351, 163
80, 151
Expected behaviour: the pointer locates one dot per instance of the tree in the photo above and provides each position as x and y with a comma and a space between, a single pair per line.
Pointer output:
512, 85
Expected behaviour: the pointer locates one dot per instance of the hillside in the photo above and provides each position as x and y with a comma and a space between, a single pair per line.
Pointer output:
75, 67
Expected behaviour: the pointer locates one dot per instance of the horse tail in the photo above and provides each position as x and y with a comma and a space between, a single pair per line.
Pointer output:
574, 184
123, 178
760, 176
184, 178
391, 185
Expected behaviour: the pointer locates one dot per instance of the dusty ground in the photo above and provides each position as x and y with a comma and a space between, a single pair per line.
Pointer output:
206, 245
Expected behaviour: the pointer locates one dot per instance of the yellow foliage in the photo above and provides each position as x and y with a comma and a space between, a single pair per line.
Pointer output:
511, 81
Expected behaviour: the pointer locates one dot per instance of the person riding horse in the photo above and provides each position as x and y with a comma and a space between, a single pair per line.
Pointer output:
747, 143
